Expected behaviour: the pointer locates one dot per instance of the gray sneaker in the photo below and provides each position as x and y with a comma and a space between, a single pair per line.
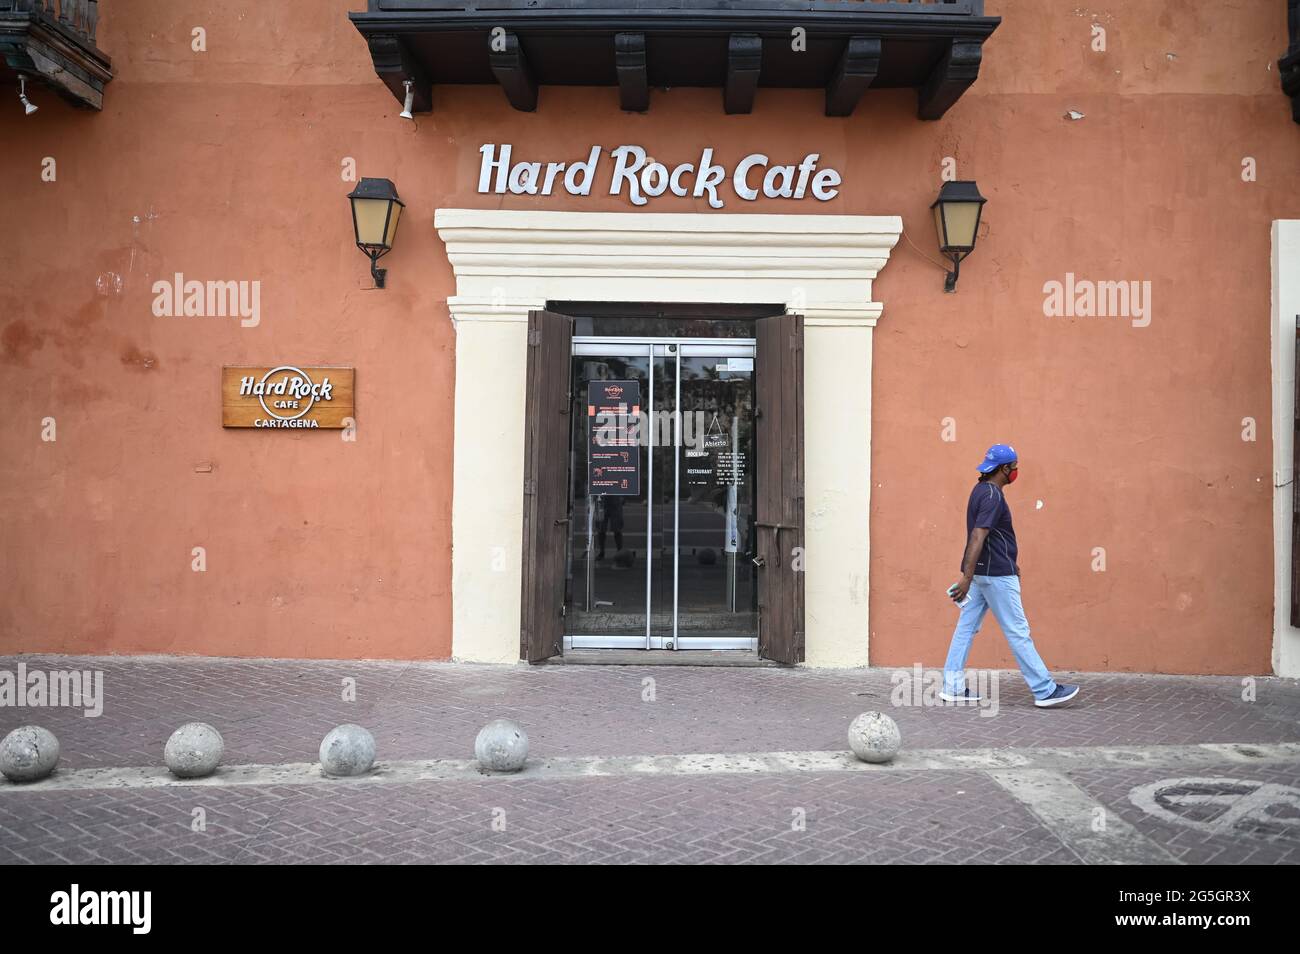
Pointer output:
1063, 694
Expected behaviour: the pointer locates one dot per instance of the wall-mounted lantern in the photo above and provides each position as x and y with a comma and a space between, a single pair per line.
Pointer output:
375, 211
957, 220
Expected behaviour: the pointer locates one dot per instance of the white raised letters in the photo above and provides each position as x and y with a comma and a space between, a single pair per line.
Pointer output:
642, 178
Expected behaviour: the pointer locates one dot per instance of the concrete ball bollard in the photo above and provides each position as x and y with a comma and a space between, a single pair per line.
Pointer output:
194, 750
28, 753
501, 746
874, 737
346, 751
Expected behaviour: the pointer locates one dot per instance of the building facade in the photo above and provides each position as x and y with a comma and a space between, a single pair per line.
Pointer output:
662, 358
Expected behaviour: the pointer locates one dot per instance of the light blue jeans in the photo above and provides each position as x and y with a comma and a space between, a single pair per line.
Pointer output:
1002, 595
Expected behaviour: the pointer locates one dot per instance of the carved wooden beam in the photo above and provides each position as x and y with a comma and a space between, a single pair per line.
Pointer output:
956, 70
394, 64
856, 71
510, 67
744, 61
633, 78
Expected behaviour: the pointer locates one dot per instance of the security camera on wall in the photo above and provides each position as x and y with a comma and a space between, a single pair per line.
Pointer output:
410, 100
28, 106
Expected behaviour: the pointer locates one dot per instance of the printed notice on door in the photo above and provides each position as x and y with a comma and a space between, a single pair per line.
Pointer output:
613, 438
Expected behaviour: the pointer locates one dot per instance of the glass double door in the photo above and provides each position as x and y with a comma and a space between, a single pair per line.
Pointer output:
661, 503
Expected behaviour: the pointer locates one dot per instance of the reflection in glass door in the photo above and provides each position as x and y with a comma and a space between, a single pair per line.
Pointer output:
612, 539
661, 501
714, 593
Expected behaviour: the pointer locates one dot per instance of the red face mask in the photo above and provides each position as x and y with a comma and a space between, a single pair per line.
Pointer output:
1011, 477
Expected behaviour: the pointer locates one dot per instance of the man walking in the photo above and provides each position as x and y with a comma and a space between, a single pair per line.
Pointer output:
991, 577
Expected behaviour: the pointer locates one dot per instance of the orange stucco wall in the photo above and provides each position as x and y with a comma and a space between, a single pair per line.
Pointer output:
225, 165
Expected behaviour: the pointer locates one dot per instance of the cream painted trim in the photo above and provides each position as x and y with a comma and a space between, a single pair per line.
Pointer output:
1286, 312
509, 262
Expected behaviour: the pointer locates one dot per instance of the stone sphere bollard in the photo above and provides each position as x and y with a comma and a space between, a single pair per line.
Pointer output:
194, 750
501, 746
347, 750
874, 737
28, 753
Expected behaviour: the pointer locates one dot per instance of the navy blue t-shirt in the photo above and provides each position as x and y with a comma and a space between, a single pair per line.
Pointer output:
988, 508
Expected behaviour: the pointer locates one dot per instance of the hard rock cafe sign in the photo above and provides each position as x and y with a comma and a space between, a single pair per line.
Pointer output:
631, 172
287, 396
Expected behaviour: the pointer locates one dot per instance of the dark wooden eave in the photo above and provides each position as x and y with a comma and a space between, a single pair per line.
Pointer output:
52, 44
737, 46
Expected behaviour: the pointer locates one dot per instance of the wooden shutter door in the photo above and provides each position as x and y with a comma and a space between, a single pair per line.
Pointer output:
546, 492
778, 372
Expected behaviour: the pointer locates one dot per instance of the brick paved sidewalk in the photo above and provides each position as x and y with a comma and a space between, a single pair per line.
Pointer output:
275, 712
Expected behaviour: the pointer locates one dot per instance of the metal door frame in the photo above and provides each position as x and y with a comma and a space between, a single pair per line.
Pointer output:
661, 347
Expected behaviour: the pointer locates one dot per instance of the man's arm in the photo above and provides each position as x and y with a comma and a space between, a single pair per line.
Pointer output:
973, 547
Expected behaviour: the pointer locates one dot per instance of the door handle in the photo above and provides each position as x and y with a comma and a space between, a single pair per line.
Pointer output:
759, 561
776, 529
561, 520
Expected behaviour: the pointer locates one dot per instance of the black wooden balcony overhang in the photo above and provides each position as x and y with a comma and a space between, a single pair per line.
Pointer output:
738, 46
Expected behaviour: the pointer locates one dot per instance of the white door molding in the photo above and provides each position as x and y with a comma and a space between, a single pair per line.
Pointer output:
1286, 314
507, 263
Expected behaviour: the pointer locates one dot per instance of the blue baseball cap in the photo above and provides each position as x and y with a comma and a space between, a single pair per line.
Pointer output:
998, 455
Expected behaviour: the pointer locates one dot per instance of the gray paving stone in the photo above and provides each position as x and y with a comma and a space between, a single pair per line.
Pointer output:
1271, 836
276, 711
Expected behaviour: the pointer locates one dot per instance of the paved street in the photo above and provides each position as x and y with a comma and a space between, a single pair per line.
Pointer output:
1141, 769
